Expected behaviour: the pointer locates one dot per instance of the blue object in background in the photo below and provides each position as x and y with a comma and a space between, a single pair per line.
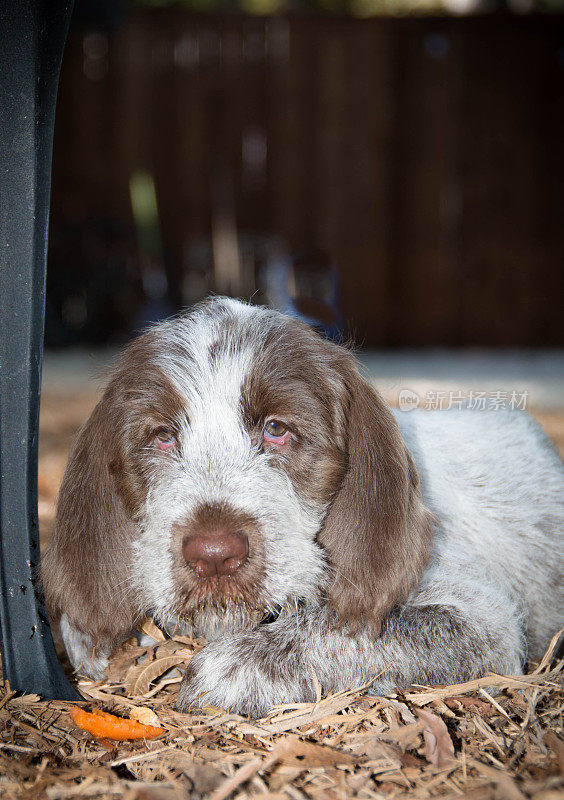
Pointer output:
306, 286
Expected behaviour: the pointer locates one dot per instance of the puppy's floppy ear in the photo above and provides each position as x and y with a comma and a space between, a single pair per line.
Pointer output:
84, 570
377, 532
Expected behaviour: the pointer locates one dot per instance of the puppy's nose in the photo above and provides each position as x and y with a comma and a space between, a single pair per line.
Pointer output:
216, 553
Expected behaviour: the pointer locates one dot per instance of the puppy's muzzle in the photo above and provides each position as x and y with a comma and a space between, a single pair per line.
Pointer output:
218, 552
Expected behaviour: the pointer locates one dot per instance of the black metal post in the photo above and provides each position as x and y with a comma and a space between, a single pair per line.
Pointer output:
32, 37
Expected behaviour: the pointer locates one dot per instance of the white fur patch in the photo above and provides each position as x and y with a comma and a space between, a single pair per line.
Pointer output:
218, 464
81, 652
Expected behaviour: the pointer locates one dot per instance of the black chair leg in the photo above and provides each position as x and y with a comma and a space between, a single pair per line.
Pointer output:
32, 36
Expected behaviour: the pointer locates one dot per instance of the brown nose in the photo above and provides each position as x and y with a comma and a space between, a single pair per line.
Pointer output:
216, 553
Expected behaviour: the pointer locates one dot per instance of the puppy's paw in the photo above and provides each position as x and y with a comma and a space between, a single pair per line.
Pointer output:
246, 673
83, 655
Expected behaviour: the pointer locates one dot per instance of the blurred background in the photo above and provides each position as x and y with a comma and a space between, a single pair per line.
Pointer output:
399, 176
390, 170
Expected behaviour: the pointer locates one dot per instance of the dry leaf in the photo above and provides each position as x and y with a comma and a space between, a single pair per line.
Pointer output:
138, 679
308, 754
184, 653
382, 756
550, 652
423, 696
294, 715
150, 629
26, 699
405, 735
557, 746
506, 787
439, 749
289, 748
469, 702
144, 715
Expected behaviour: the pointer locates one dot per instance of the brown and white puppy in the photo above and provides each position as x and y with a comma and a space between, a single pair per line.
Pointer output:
240, 478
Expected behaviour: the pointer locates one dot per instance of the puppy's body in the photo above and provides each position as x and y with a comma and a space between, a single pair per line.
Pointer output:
236, 430
495, 484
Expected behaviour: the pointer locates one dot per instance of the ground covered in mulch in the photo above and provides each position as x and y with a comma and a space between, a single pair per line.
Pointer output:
497, 737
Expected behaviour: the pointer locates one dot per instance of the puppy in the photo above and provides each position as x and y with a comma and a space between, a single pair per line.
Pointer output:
239, 478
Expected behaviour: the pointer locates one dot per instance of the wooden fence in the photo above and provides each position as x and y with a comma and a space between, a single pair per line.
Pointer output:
426, 156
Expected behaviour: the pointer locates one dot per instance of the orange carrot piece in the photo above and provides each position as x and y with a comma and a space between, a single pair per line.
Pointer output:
108, 726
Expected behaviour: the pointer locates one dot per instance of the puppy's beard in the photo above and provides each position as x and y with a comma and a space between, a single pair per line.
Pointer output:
213, 623
210, 619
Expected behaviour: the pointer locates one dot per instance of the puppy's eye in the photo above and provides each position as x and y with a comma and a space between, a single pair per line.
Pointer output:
275, 432
165, 439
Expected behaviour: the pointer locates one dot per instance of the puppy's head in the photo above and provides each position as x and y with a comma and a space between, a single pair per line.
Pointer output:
236, 463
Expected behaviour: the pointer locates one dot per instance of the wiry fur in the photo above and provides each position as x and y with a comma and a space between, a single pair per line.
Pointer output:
375, 572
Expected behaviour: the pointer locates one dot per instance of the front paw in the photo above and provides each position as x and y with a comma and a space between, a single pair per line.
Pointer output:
246, 673
86, 658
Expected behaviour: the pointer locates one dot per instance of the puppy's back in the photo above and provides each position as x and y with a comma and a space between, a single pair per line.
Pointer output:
496, 484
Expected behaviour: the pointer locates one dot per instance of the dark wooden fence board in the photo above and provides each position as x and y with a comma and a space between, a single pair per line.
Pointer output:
425, 155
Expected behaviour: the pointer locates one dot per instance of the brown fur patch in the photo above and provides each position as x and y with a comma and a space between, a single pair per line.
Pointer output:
349, 451
243, 587
86, 567
377, 533
288, 382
